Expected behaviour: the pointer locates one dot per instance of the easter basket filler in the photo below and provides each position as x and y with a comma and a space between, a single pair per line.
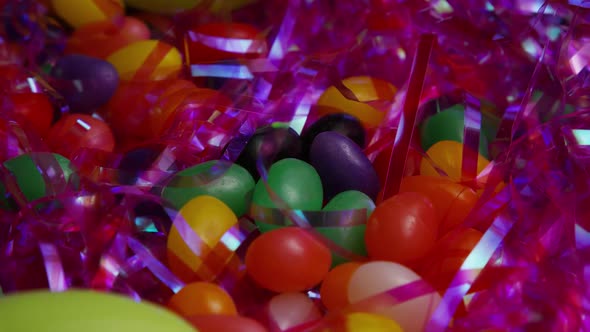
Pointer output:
291, 165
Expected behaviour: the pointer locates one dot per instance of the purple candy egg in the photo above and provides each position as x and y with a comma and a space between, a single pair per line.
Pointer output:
85, 82
342, 165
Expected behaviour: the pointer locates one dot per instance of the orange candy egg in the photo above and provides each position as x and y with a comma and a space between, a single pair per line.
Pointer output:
202, 298
335, 286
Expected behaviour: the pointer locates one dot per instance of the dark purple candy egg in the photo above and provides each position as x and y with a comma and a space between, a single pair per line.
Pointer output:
342, 123
342, 165
85, 82
270, 144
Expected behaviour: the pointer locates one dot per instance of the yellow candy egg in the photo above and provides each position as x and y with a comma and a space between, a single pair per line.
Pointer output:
147, 60
174, 6
361, 321
84, 310
448, 156
366, 89
209, 219
80, 12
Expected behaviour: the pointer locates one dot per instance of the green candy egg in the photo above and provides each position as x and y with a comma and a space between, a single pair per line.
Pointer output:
349, 200
228, 182
447, 125
29, 178
85, 310
296, 182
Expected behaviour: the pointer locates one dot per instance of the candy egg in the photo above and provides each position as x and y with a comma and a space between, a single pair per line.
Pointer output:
225, 323
85, 310
363, 321
334, 288
351, 199
101, 39
296, 182
447, 256
202, 298
453, 201
287, 260
271, 144
228, 182
447, 125
376, 277
33, 110
365, 89
77, 13
402, 228
342, 165
448, 156
26, 170
85, 82
138, 110
147, 60
224, 41
342, 123
78, 131
209, 219
288, 310
174, 6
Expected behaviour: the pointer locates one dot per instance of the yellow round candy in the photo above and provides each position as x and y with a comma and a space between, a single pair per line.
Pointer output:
147, 60
174, 6
81, 12
366, 89
361, 321
84, 310
448, 156
209, 218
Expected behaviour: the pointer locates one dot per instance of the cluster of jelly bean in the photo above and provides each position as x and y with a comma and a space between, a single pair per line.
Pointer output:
413, 235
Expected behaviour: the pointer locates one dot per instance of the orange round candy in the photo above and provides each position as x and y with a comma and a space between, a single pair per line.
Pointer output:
202, 298
448, 156
366, 89
402, 228
334, 289
453, 201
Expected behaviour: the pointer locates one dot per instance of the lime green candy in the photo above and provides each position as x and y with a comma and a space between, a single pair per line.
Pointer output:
28, 177
84, 310
228, 182
349, 200
296, 182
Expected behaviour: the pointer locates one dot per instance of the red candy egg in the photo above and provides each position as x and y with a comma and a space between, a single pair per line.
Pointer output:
33, 109
287, 260
101, 39
78, 131
224, 41
402, 228
132, 110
